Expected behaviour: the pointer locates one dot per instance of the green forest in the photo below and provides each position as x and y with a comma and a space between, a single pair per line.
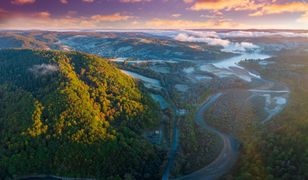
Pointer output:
73, 115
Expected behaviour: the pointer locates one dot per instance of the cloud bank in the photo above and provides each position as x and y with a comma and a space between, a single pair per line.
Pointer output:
260, 34
212, 38
223, 38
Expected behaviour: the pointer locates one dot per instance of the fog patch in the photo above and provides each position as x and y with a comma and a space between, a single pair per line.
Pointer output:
240, 47
261, 34
44, 69
211, 38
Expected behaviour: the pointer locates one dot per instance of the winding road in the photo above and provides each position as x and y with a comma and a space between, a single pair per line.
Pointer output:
228, 155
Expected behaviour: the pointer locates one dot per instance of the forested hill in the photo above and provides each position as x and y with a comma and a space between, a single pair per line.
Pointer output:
73, 115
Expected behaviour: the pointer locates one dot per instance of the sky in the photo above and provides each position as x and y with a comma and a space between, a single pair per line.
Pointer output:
153, 14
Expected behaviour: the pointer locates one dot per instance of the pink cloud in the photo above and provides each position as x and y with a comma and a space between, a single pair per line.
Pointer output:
22, 2
64, 1
111, 18
88, 1
134, 1
43, 14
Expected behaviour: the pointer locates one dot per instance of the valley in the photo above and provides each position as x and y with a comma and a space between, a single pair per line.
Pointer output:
219, 107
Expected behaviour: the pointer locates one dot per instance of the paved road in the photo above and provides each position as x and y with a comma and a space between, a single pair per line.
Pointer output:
172, 154
175, 139
228, 155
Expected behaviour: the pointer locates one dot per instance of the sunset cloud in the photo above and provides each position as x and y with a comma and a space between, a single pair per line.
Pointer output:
22, 2
188, 1
134, 1
176, 15
47, 23
257, 8
43, 20
187, 24
289, 7
252, 7
88, 1
112, 17
43, 14
225, 5
162, 14
64, 1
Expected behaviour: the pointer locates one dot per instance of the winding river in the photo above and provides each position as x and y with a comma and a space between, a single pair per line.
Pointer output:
275, 96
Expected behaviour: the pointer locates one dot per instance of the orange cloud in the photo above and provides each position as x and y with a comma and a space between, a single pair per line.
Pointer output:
134, 1
47, 23
256, 7
43, 14
43, 20
188, 1
187, 24
282, 8
22, 2
112, 17
225, 5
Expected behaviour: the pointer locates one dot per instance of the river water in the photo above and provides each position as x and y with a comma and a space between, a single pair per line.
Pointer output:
275, 100
148, 82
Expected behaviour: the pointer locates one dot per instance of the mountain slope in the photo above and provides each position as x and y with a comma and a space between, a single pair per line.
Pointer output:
75, 115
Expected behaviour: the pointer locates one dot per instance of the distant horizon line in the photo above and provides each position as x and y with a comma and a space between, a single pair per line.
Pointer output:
148, 29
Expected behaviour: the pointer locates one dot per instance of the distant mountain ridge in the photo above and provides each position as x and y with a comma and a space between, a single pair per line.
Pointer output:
136, 45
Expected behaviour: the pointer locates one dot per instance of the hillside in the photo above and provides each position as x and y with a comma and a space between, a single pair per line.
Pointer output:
74, 115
